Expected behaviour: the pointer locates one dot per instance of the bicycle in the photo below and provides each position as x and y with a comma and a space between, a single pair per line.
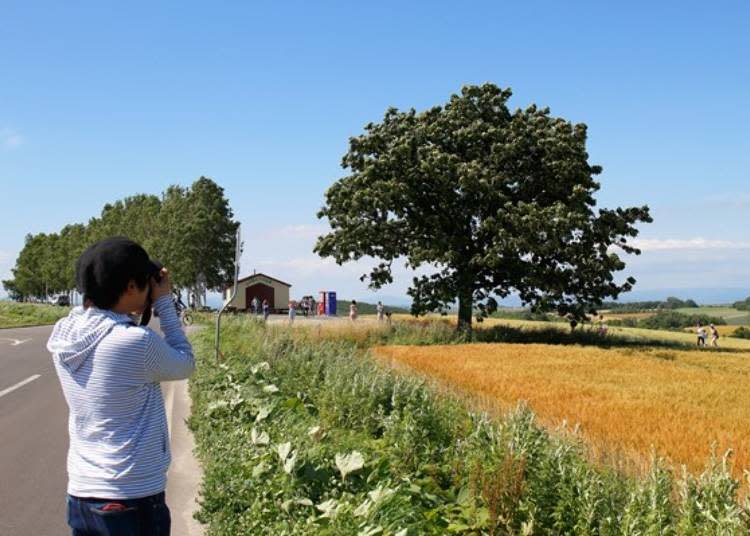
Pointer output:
183, 312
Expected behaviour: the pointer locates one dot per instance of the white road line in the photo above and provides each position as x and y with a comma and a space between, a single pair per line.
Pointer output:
15, 342
19, 384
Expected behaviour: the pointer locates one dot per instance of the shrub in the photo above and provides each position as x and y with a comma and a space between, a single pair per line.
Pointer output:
676, 321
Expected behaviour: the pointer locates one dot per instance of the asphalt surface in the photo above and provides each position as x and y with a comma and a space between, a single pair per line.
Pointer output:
34, 436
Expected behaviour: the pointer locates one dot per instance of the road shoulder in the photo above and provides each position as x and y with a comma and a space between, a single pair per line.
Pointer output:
185, 473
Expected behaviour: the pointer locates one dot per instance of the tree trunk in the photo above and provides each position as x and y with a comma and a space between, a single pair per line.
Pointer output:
465, 309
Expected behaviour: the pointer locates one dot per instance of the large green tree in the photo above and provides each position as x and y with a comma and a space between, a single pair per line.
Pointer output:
37, 272
199, 236
496, 202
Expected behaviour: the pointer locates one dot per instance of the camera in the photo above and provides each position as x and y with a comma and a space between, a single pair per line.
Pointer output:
156, 267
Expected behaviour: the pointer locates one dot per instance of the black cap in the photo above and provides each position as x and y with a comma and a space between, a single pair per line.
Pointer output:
105, 268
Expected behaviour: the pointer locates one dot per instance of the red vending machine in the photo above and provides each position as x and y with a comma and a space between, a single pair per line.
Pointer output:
322, 307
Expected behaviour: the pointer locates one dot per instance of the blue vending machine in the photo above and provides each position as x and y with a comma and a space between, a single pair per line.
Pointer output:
331, 303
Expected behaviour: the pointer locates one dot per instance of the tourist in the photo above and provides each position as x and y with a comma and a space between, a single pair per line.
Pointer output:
701, 331
714, 336
603, 328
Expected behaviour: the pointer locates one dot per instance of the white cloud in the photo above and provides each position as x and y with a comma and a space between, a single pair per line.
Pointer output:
736, 200
10, 139
305, 266
304, 231
662, 244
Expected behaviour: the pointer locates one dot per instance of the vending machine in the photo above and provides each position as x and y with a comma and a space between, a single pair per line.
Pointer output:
331, 303
327, 303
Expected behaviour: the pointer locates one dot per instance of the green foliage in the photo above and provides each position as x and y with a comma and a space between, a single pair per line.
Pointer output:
669, 320
642, 306
190, 230
743, 305
300, 434
199, 234
16, 315
742, 332
496, 201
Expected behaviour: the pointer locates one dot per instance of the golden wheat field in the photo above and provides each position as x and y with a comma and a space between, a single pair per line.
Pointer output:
627, 402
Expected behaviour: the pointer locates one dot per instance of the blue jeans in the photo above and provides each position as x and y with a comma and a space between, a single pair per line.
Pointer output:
119, 517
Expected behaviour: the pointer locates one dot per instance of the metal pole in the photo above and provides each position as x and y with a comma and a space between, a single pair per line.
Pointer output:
237, 253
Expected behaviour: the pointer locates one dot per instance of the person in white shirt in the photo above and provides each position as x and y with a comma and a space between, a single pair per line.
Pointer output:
701, 331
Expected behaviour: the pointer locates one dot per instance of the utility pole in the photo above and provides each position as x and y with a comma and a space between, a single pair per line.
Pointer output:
237, 254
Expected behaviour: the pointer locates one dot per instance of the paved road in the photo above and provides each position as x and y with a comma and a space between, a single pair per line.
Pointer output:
34, 436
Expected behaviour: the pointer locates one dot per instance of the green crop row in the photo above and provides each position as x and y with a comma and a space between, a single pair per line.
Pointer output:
303, 434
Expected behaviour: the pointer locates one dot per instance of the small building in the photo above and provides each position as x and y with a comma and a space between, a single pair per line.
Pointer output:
263, 287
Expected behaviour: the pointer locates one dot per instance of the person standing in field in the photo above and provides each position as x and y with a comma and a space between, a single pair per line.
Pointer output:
111, 370
381, 311
701, 332
266, 310
714, 336
603, 328
353, 311
292, 311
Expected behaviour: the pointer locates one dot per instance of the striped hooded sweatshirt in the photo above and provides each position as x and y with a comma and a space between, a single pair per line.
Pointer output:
110, 370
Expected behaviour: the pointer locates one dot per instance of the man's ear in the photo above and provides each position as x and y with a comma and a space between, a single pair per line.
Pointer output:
132, 288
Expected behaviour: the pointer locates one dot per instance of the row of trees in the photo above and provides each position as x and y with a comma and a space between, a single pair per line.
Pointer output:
637, 306
190, 230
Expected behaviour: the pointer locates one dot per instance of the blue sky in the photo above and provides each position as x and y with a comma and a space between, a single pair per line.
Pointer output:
99, 101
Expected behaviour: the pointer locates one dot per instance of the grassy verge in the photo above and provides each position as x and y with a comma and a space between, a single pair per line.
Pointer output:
16, 315
301, 432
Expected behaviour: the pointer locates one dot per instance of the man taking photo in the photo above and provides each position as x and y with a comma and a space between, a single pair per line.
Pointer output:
110, 370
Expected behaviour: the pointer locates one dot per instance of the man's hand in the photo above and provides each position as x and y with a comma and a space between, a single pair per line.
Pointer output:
162, 288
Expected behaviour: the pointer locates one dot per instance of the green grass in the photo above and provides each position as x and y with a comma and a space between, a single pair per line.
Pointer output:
731, 315
15, 315
276, 420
